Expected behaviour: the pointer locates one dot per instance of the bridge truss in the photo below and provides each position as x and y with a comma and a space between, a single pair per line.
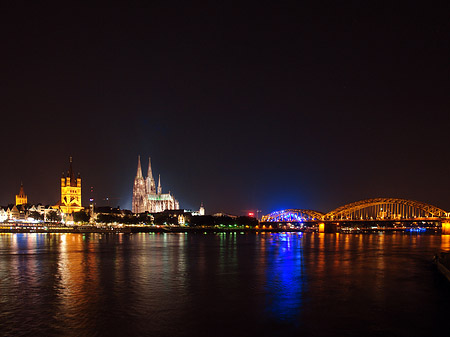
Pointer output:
385, 208
293, 215
364, 210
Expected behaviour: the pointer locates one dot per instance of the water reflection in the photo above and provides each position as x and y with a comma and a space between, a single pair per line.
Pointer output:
285, 280
223, 285
445, 243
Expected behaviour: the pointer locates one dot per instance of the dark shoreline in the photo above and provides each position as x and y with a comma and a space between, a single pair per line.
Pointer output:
129, 230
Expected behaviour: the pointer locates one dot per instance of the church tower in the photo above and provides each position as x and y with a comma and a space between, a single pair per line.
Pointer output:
159, 185
70, 191
139, 193
149, 181
21, 198
201, 211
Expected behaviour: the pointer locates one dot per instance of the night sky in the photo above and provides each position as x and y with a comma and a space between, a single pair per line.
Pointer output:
265, 106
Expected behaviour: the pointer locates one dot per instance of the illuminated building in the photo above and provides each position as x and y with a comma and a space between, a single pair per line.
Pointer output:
3, 215
14, 213
21, 198
220, 214
70, 192
147, 197
201, 211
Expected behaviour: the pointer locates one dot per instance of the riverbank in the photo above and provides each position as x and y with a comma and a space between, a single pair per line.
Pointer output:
142, 229
201, 230
442, 261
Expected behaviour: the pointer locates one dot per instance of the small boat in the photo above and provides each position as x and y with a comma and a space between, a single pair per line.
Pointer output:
442, 261
416, 230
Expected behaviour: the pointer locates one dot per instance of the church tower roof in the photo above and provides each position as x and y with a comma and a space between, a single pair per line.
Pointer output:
159, 184
70, 172
139, 169
149, 172
21, 191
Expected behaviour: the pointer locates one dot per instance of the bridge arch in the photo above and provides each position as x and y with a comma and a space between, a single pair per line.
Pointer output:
385, 208
292, 215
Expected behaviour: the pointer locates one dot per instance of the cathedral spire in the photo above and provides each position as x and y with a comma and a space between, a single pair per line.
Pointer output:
149, 181
70, 173
139, 169
139, 193
149, 173
159, 184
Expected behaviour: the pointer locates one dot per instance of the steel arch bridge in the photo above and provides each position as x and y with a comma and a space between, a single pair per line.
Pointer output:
364, 210
385, 208
293, 215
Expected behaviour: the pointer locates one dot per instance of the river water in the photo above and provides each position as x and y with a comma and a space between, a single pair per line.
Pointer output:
226, 284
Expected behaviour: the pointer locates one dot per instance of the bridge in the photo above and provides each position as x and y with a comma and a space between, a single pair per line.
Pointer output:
380, 210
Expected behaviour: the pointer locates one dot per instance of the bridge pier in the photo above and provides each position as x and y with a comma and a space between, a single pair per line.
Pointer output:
446, 227
327, 227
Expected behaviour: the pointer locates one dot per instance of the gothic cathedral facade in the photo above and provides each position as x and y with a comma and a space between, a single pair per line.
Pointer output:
147, 197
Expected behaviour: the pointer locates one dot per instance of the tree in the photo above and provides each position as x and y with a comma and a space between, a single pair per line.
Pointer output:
225, 220
129, 219
161, 219
36, 215
145, 218
202, 220
53, 216
81, 216
247, 221
106, 218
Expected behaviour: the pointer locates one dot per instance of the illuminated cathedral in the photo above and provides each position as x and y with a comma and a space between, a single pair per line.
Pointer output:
147, 197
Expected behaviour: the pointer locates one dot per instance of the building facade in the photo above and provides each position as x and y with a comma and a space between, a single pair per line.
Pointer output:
21, 198
147, 197
70, 192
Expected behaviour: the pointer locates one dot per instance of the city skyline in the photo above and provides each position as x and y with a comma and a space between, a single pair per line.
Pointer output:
154, 190
245, 107
229, 168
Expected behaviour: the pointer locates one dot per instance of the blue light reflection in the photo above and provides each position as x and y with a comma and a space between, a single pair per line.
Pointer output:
285, 281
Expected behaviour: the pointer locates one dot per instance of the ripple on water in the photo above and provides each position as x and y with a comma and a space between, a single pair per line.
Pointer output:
221, 285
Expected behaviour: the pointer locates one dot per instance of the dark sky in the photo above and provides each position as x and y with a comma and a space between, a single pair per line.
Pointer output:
265, 106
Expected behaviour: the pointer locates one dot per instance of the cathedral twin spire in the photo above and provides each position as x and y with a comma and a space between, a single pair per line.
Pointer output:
149, 181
